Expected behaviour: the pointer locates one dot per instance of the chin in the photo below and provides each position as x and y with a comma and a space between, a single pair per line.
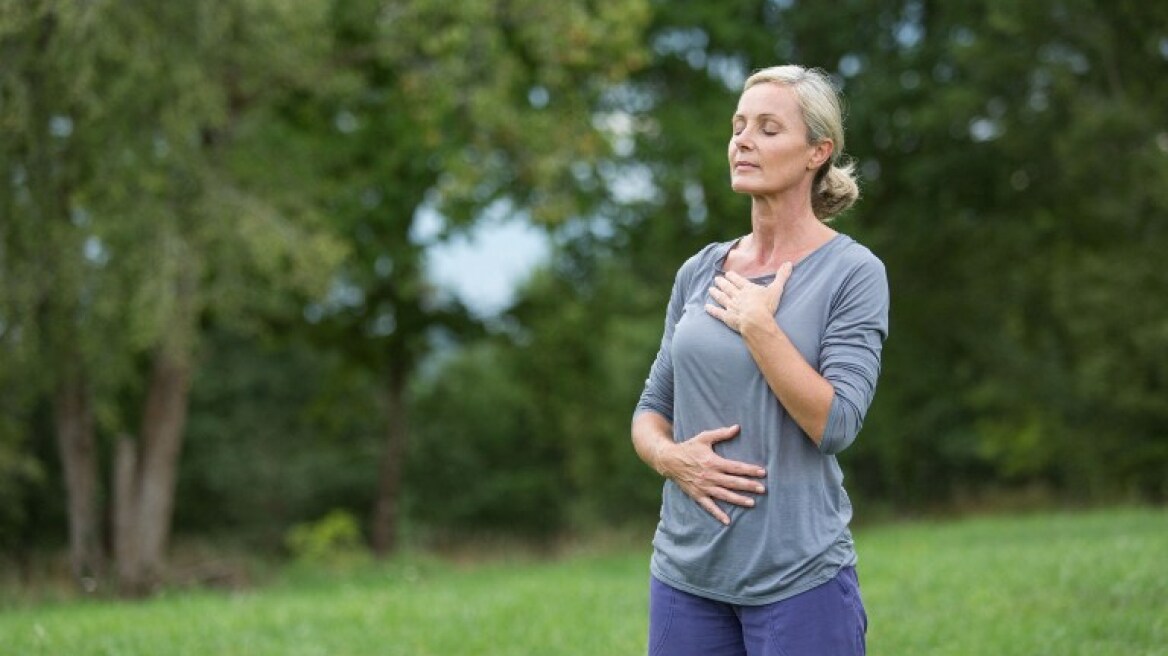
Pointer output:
744, 187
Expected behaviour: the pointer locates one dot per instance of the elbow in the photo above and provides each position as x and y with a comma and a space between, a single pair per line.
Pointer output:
661, 410
844, 420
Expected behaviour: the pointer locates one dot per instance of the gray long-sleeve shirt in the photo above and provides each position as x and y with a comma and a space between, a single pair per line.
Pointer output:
834, 309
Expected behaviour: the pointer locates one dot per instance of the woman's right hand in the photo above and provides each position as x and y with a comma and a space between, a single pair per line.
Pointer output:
706, 476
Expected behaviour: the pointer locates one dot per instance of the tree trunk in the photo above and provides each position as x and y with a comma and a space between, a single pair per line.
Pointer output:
146, 480
73, 410
383, 534
163, 423
124, 518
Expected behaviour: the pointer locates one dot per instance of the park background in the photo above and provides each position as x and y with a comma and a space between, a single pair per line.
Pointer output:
222, 324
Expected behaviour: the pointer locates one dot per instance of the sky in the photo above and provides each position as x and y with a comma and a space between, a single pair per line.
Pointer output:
484, 266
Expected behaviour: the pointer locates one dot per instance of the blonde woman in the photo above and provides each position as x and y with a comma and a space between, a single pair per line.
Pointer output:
767, 366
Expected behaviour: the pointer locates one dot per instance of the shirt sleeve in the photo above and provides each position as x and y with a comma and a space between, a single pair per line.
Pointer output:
857, 326
657, 396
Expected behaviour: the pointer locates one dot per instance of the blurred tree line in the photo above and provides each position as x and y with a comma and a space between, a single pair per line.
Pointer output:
214, 308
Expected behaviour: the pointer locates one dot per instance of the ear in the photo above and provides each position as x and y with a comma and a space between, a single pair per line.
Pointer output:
820, 152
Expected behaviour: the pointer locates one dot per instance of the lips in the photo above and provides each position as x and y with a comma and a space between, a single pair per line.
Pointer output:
738, 166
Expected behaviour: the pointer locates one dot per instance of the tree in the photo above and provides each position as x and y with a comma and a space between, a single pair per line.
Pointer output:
130, 211
976, 121
449, 108
969, 123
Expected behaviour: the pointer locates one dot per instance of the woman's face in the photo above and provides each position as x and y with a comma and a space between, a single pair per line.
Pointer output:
769, 153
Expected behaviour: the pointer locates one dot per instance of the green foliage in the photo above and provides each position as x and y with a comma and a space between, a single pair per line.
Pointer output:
280, 433
586, 362
331, 540
1012, 165
1013, 151
444, 109
20, 475
118, 206
296, 162
531, 429
480, 460
1078, 584
520, 80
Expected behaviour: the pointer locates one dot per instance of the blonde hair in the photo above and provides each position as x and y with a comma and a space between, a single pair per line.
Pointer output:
835, 188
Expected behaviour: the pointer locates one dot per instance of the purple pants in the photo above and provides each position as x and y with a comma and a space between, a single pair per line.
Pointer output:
827, 620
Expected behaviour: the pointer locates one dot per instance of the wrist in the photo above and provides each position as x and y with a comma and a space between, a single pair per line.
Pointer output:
660, 451
759, 328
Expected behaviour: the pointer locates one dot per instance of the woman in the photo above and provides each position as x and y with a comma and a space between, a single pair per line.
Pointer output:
767, 366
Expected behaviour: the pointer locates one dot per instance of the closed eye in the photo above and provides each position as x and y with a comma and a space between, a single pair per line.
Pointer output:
769, 127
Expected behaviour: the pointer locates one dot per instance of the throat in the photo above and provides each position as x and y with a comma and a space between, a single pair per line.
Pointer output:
753, 257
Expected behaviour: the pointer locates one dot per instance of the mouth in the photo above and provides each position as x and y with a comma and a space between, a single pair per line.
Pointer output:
744, 166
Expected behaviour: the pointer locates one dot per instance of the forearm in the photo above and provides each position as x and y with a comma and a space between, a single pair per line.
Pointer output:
651, 434
805, 394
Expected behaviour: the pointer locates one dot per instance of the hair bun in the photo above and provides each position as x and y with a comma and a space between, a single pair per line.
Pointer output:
835, 190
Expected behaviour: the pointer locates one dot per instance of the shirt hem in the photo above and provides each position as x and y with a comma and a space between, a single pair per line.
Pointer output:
751, 600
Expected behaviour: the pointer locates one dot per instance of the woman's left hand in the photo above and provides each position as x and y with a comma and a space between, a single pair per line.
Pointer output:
744, 303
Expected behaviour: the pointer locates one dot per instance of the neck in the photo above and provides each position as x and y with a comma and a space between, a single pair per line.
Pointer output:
782, 232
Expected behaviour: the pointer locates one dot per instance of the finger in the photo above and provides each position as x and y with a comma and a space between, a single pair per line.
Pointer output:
718, 434
734, 470
739, 468
724, 284
713, 509
719, 314
781, 276
716, 483
720, 296
735, 278
730, 497
739, 484
732, 474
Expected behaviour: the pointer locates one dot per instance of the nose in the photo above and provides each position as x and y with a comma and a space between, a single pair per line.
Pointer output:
741, 142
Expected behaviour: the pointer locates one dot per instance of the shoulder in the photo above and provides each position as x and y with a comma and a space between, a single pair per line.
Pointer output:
858, 271
704, 260
852, 255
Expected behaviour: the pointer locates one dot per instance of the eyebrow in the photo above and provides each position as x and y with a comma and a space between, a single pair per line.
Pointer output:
764, 115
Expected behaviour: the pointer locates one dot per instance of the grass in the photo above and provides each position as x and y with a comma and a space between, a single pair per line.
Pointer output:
1078, 583
1090, 583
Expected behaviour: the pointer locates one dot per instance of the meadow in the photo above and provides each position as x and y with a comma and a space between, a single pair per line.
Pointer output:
1091, 583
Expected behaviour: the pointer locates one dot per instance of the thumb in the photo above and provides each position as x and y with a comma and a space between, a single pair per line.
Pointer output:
781, 276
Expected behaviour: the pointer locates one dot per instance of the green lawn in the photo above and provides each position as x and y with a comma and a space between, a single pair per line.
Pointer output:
1087, 583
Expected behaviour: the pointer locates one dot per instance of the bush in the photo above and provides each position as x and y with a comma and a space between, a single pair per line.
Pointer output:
332, 540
